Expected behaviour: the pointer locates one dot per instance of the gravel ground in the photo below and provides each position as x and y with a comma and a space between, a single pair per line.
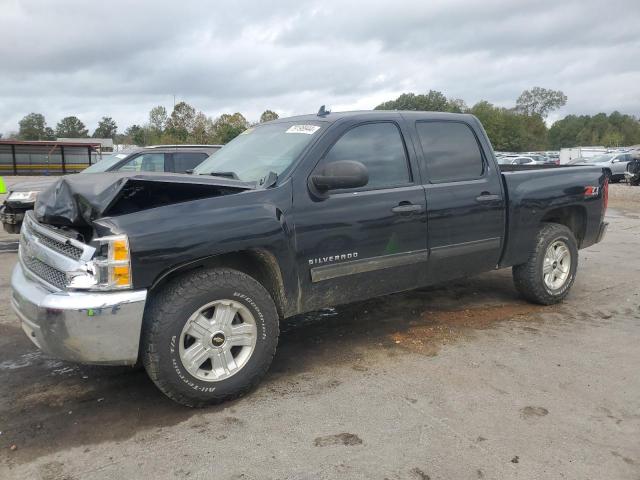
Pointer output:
462, 381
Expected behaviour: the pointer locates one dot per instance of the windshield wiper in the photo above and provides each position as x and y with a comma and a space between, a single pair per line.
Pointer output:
232, 175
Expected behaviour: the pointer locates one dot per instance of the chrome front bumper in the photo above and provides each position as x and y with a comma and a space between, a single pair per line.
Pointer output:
85, 327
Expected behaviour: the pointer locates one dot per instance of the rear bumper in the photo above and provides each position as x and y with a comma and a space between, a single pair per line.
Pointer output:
85, 327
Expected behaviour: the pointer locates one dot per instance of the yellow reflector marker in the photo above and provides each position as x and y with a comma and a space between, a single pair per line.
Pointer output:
120, 276
120, 250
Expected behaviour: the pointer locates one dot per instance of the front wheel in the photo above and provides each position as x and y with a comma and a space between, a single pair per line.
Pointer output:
209, 336
550, 271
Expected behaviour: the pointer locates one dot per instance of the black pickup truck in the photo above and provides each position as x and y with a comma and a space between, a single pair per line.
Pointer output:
190, 274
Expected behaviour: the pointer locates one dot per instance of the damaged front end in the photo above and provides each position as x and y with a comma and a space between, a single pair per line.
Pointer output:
72, 287
70, 208
63, 305
76, 201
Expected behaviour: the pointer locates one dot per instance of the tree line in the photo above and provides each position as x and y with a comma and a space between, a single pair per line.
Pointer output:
519, 128
523, 128
183, 125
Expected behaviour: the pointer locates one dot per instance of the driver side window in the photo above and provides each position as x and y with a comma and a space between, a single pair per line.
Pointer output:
379, 147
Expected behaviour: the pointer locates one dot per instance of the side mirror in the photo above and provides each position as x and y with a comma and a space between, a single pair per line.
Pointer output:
340, 174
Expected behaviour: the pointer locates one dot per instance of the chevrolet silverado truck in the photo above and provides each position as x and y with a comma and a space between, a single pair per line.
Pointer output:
156, 158
190, 274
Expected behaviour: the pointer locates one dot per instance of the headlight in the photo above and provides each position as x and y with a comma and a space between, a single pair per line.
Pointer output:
110, 269
25, 197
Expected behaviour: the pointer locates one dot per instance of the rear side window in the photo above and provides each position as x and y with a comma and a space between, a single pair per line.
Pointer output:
379, 147
146, 162
183, 161
450, 150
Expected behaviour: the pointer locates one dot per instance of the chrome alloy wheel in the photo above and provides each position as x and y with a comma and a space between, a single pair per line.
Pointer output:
556, 266
218, 340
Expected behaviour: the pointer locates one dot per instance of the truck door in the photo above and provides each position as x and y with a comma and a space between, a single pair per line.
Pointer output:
182, 162
363, 242
464, 200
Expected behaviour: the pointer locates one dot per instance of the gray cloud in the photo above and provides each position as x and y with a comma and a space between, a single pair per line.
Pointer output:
121, 58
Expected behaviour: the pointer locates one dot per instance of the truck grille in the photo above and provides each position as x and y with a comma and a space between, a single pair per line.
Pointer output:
64, 248
49, 256
46, 272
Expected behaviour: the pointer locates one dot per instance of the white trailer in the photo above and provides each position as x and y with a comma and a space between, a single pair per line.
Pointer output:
568, 154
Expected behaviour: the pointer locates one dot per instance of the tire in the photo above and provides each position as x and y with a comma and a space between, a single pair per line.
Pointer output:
530, 279
201, 304
608, 174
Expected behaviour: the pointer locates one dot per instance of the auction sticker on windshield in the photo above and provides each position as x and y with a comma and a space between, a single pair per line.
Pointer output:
306, 129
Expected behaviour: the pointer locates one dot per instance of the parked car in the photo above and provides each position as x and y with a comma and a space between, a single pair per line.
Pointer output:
567, 155
160, 158
632, 174
537, 157
191, 273
517, 160
614, 164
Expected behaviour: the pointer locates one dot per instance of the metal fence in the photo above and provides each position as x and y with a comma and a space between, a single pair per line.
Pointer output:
40, 158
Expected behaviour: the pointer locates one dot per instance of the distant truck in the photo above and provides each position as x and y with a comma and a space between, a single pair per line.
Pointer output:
569, 154
191, 274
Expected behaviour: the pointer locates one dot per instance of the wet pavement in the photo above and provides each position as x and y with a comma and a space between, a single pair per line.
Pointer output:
464, 380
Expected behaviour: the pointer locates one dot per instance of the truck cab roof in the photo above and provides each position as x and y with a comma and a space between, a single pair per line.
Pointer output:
332, 117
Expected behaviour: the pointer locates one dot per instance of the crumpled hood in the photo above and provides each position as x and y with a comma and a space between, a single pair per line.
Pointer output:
78, 200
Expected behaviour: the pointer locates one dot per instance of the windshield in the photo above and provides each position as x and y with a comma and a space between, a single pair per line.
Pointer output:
260, 150
105, 164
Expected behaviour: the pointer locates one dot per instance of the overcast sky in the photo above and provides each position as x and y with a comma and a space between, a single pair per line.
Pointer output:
120, 58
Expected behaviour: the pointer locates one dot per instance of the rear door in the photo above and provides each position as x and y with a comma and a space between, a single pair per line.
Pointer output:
144, 162
359, 243
465, 204
181, 162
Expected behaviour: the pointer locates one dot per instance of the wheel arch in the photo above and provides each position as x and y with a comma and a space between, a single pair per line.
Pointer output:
259, 264
574, 217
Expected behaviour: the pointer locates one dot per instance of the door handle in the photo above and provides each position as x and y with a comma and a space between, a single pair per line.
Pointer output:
406, 208
488, 197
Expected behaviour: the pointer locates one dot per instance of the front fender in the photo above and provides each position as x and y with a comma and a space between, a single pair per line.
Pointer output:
165, 238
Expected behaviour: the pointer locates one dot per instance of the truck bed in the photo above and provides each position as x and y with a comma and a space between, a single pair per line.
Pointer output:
547, 193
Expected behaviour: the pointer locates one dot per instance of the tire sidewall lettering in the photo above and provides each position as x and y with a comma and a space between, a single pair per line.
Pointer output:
251, 303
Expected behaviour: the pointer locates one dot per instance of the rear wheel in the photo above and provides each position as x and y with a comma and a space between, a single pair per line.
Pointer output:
209, 336
550, 271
